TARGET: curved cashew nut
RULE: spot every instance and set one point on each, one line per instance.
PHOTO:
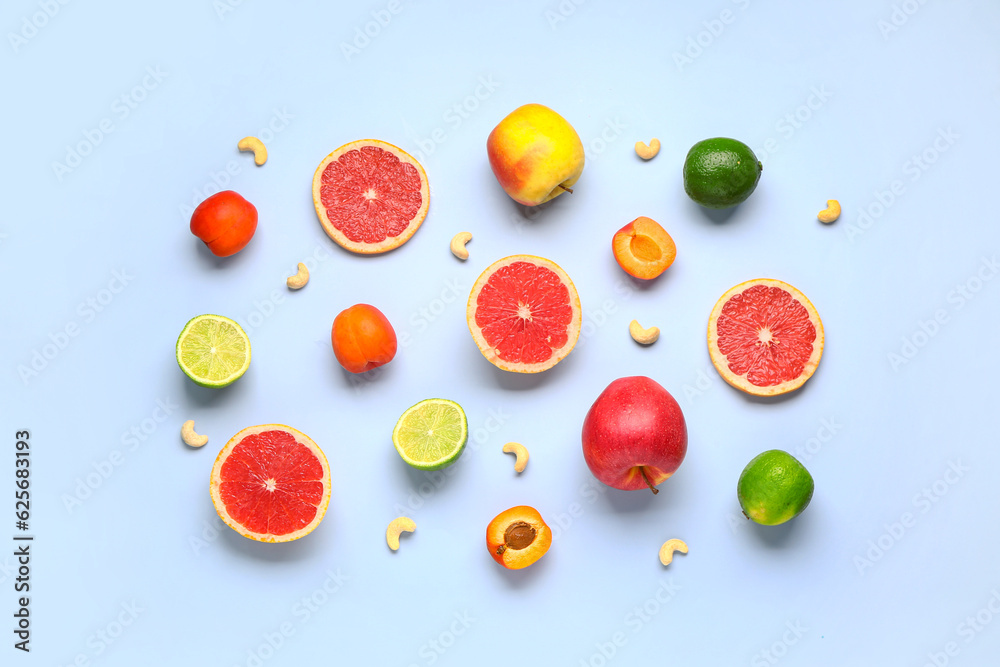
(458, 245)
(397, 526)
(647, 152)
(190, 437)
(520, 451)
(668, 549)
(831, 212)
(257, 146)
(643, 336)
(299, 280)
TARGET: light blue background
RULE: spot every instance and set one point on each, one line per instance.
(146, 536)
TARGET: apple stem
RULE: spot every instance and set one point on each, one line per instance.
(569, 190)
(652, 488)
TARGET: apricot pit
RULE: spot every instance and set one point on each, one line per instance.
(518, 537)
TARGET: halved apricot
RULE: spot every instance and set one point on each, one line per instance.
(643, 248)
(518, 537)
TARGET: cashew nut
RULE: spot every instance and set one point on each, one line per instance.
(299, 280)
(520, 451)
(643, 336)
(257, 146)
(397, 526)
(668, 549)
(190, 437)
(458, 245)
(831, 212)
(647, 152)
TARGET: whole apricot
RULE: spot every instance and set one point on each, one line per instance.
(362, 338)
(225, 222)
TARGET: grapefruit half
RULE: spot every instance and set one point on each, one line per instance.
(271, 483)
(765, 337)
(524, 314)
(370, 196)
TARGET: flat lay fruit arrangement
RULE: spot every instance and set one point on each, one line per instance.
(271, 483)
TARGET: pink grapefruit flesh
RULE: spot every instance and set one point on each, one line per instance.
(765, 337)
(271, 483)
(524, 314)
(370, 196)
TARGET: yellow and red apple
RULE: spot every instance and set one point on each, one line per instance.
(634, 436)
(535, 154)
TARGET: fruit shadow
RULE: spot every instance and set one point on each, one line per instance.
(518, 579)
(525, 216)
(528, 381)
(719, 216)
(218, 262)
(276, 552)
(776, 537)
(358, 380)
(637, 501)
(780, 398)
(215, 396)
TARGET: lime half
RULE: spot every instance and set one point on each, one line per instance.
(432, 434)
(774, 488)
(213, 351)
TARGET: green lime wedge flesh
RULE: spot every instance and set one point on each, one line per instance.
(432, 434)
(774, 488)
(213, 350)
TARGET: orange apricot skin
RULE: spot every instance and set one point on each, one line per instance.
(362, 338)
(225, 222)
(650, 232)
(516, 559)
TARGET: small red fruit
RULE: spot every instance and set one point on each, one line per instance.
(225, 222)
(362, 338)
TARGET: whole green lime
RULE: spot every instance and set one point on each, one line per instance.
(774, 487)
(720, 172)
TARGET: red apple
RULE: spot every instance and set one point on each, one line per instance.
(634, 436)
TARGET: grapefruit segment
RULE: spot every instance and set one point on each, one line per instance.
(271, 483)
(765, 337)
(524, 314)
(370, 196)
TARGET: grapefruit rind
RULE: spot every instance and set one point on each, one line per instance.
(216, 482)
(572, 330)
(392, 242)
(740, 381)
